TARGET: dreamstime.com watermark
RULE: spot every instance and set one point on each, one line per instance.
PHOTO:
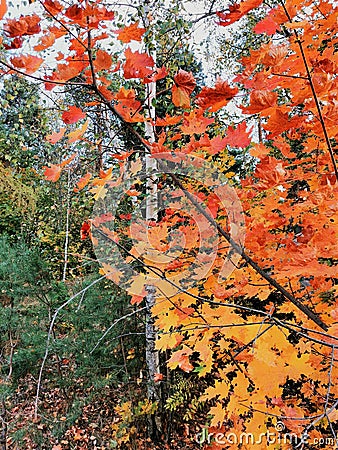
(278, 436)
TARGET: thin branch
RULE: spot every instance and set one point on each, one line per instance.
(49, 337)
(67, 229)
(108, 330)
(43, 80)
(297, 77)
(315, 97)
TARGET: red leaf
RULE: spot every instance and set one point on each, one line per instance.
(15, 43)
(130, 33)
(103, 60)
(85, 230)
(217, 145)
(158, 377)
(15, 27)
(25, 25)
(53, 7)
(267, 25)
(184, 85)
(75, 13)
(74, 114)
(29, 63)
(260, 100)
(137, 65)
(238, 137)
(158, 74)
(216, 97)
(52, 173)
(237, 11)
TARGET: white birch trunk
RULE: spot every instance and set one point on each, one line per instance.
(152, 355)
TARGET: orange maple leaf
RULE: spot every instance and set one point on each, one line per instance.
(52, 173)
(89, 16)
(29, 63)
(168, 120)
(103, 60)
(267, 25)
(260, 100)
(239, 136)
(68, 160)
(55, 137)
(184, 85)
(83, 181)
(46, 41)
(24, 26)
(157, 74)
(130, 33)
(75, 13)
(137, 65)
(65, 72)
(128, 107)
(53, 7)
(216, 97)
(195, 123)
(137, 299)
(181, 359)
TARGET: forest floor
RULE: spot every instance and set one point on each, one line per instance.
(88, 424)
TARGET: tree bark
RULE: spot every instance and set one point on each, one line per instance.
(152, 355)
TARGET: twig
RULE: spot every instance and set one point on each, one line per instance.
(315, 97)
(114, 324)
(49, 336)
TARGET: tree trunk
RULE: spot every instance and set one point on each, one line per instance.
(152, 355)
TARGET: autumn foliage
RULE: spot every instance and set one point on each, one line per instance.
(263, 336)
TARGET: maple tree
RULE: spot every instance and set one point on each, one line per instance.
(232, 306)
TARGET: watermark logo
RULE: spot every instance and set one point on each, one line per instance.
(278, 436)
(269, 437)
(176, 254)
